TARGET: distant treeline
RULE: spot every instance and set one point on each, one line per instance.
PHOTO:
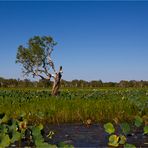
(71, 84)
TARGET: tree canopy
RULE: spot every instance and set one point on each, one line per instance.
(36, 56)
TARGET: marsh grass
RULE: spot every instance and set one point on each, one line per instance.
(72, 106)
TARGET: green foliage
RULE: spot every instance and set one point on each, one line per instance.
(113, 140)
(138, 121)
(16, 136)
(145, 129)
(127, 145)
(6, 130)
(3, 129)
(72, 105)
(4, 140)
(122, 139)
(35, 58)
(125, 128)
(38, 138)
(11, 132)
(38, 106)
(109, 128)
(4, 119)
(65, 145)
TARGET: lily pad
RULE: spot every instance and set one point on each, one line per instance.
(145, 129)
(122, 139)
(109, 128)
(125, 128)
(114, 140)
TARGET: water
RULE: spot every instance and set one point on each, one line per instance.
(80, 135)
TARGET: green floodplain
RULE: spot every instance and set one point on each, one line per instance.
(75, 105)
(27, 113)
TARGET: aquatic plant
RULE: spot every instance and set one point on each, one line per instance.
(117, 139)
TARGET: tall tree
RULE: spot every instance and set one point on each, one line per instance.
(36, 60)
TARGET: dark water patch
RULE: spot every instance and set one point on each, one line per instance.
(80, 135)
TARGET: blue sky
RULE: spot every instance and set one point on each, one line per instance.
(96, 40)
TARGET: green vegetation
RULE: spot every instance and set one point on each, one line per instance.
(16, 132)
(118, 137)
(23, 113)
(76, 105)
(77, 84)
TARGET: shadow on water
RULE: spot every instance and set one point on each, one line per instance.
(80, 135)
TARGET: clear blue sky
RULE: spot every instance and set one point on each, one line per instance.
(96, 40)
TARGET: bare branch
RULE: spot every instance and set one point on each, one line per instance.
(42, 77)
(51, 63)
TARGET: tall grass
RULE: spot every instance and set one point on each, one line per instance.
(99, 106)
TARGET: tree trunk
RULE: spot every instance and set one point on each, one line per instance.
(56, 84)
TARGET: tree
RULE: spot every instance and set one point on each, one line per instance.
(36, 60)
